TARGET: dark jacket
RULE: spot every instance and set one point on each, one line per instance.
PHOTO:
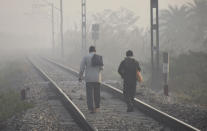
(128, 70)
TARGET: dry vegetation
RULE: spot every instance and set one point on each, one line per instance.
(11, 82)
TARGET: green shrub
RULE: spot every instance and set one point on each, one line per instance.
(12, 77)
(188, 75)
(11, 103)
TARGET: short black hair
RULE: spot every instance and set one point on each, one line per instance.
(92, 49)
(129, 53)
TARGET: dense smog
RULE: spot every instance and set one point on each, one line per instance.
(112, 65)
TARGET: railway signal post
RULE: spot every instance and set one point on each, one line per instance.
(154, 18)
(83, 16)
(53, 32)
(165, 72)
(61, 29)
(95, 33)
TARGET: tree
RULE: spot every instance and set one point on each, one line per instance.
(118, 33)
(118, 29)
(174, 29)
(198, 19)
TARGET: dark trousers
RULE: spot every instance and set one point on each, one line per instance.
(129, 94)
(93, 95)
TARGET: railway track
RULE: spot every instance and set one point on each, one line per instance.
(72, 113)
(112, 115)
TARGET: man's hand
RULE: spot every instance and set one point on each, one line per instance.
(140, 78)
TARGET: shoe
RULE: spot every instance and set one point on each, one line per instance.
(97, 109)
(92, 111)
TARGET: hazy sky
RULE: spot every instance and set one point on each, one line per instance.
(20, 16)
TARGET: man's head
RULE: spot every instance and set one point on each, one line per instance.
(129, 53)
(92, 49)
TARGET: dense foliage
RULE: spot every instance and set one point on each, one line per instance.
(188, 74)
(184, 28)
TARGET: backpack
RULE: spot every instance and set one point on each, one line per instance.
(97, 60)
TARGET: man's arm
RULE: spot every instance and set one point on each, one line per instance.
(121, 69)
(139, 75)
(138, 67)
(101, 67)
(82, 68)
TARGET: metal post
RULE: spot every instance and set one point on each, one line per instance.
(61, 28)
(95, 33)
(23, 94)
(155, 44)
(165, 72)
(157, 37)
(53, 32)
(94, 43)
(83, 16)
(152, 36)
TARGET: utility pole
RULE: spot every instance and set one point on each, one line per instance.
(83, 16)
(155, 42)
(95, 33)
(61, 28)
(166, 72)
(53, 32)
(51, 5)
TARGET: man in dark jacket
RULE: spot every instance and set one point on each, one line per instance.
(128, 70)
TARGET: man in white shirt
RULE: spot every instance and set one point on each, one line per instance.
(93, 80)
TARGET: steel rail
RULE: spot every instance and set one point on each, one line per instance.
(158, 115)
(75, 112)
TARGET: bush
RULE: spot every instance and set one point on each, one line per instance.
(12, 76)
(188, 74)
(10, 104)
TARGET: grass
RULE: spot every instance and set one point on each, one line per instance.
(11, 104)
(12, 78)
